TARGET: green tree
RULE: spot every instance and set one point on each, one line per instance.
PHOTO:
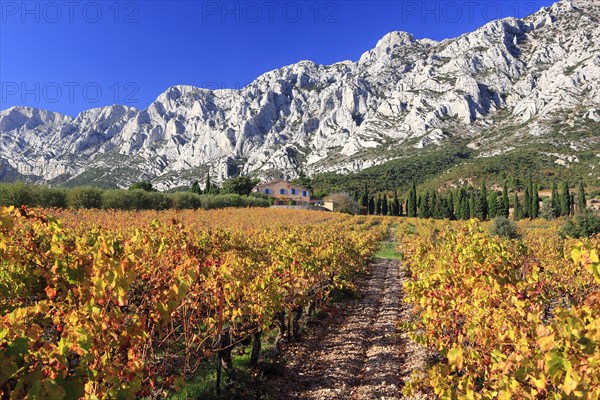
(378, 205)
(505, 202)
(372, 206)
(529, 205)
(565, 200)
(493, 204)
(535, 202)
(143, 185)
(518, 210)
(396, 204)
(384, 205)
(208, 187)
(364, 200)
(411, 205)
(526, 204)
(481, 203)
(423, 206)
(195, 188)
(450, 214)
(555, 201)
(472, 212)
(241, 185)
(463, 205)
(581, 201)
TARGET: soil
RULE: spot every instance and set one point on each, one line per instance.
(357, 352)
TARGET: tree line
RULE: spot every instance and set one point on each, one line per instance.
(469, 202)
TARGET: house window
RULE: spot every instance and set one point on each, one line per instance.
(281, 191)
(267, 191)
(292, 191)
(304, 193)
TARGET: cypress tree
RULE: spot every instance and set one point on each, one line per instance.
(378, 205)
(518, 211)
(208, 189)
(420, 206)
(396, 208)
(384, 205)
(400, 207)
(411, 206)
(529, 205)
(364, 201)
(195, 188)
(472, 205)
(483, 202)
(505, 202)
(436, 211)
(535, 199)
(565, 200)
(492, 204)
(572, 203)
(371, 205)
(463, 208)
(581, 201)
(526, 204)
(555, 201)
(450, 207)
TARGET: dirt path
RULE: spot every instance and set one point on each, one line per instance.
(358, 353)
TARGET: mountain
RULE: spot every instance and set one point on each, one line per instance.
(513, 84)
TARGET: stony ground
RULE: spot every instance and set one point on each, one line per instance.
(357, 353)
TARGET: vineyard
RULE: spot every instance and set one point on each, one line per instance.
(124, 304)
(101, 304)
(503, 318)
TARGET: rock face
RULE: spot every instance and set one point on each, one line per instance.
(403, 94)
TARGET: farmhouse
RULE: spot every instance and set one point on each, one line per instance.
(285, 193)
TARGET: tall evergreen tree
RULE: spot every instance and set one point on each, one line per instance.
(565, 200)
(400, 207)
(481, 203)
(517, 209)
(208, 189)
(195, 188)
(421, 205)
(411, 205)
(581, 201)
(526, 204)
(450, 214)
(472, 205)
(378, 205)
(372, 205)
(555, 201)
(505, 202)
(529, 205)
(492, 204)
(463, 208)
(535, 202)
(364, 201)
(396, 205)
(384, 205)
(436, 209)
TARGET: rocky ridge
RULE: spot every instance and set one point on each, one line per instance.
(493, 89)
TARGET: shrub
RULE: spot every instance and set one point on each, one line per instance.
(585, 224)
(186, 200)
(84, 197)
(50, 198)
(133, 199)
(547, 211)
(209, 201)
(505, 228)
(15, 194)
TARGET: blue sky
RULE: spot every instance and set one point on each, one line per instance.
(70, 56)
